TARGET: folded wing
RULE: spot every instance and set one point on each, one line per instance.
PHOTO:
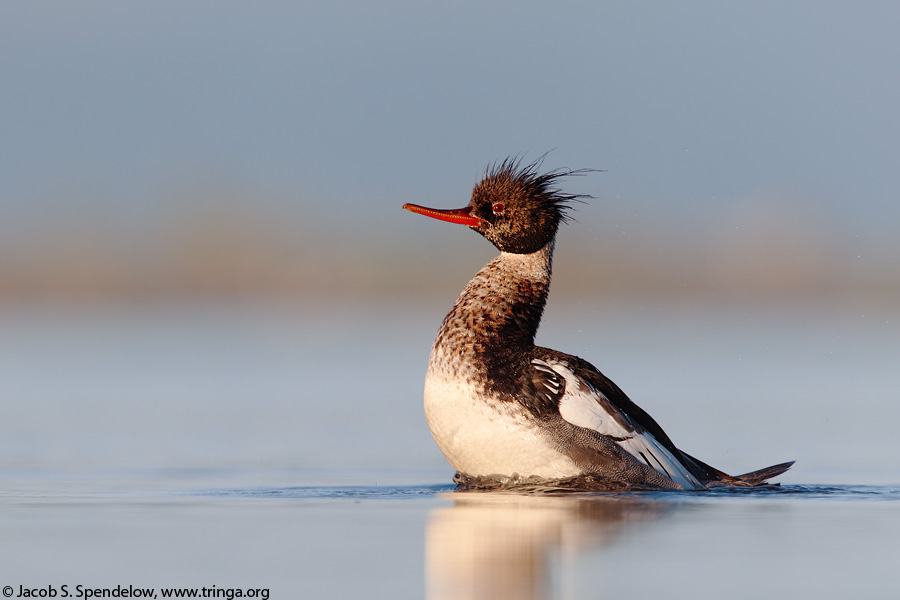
(583, 405)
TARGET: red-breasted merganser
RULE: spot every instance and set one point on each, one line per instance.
(506, 412)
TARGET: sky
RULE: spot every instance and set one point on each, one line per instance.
(706, 118)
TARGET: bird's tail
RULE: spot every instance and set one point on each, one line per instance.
(713, 477)
(761, 476)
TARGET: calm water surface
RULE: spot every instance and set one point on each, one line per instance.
(283, 450)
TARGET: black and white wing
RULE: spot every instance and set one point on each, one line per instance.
(583, 404)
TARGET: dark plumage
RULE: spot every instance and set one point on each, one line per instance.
(522, 207)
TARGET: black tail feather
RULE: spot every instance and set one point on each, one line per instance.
(712, 477)
(761, 476)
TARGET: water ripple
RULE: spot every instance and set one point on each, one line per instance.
(336, 492)
(368, 492)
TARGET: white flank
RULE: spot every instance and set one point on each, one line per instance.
(481, 439)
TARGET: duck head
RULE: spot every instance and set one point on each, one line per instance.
(515, 207)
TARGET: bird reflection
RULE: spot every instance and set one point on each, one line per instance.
(503, 545)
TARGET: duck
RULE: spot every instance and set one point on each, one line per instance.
(508, 413)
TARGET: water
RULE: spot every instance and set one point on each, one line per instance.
(281, 450)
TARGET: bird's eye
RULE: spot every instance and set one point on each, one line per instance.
(498, 208)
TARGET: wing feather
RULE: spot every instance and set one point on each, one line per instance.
(583, 405)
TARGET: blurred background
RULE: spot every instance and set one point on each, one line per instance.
(204, 263)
